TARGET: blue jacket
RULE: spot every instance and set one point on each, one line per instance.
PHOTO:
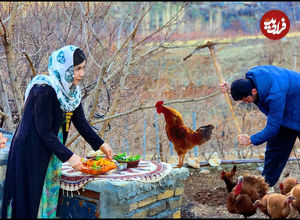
(279, 99)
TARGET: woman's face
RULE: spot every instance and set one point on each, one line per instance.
(78, 73)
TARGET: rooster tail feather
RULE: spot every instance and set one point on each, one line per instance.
(207, 127)
(206, 131)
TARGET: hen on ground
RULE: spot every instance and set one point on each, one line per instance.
(295, 192)
(227, 177)
(278, 205)
(262, 204)
(286, 186)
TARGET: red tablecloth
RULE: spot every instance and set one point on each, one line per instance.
(147, 171)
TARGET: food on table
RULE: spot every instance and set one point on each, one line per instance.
(124, 157)
(93, 154)
(97, 166)
(132, 161)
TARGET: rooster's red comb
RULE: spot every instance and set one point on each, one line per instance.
(159, 107)
(281, 186)
(159, 103)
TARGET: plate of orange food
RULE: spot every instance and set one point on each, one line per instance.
(97, 165)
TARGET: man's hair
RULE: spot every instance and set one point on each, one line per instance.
(241, 88)
(78, 57)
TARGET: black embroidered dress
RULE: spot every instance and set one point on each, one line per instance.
(33, 143)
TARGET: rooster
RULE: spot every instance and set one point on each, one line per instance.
(254, 186)
(227, 177)
(182, 137)
(247, 190)
(238, 202)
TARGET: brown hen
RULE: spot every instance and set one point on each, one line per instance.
(295, 192)
(182, 137)
(278, 205)
(262, 204)
(227, 177)
(286, 186)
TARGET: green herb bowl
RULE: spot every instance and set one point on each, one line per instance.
(131, 161)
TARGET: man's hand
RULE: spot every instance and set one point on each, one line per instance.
(244, 139)
(75, 162)
(224, 87)
(105, 148)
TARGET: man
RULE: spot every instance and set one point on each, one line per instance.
(276, 92)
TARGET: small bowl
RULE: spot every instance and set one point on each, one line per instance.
(122, 166)
(130, 164)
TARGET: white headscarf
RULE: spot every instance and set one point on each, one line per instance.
(60, 78)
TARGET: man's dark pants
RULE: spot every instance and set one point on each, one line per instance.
(277, 154)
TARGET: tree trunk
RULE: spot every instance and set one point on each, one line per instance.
(210, 21)
(218, 20)
(6, 39)
(6, 108)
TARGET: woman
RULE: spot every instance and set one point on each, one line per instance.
(37, 150)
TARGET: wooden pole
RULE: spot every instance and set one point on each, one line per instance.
(144, 142)
(194, 127)
(221, 79)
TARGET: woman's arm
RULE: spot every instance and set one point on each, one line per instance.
(87, 132)
(84, 128)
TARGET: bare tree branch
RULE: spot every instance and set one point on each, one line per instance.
(30, 63)
(6, 107)
(76, 135)
(130, 35)
(121, 85)
(161, 28)
(153, 106)
(161, 45)
(3, 114)
(93, 99)
(6, 39)
(3, 30)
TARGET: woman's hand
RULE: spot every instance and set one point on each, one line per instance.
(105, 148)
(75, 162)
(2, 141)
(224, 87)
(244, 139)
